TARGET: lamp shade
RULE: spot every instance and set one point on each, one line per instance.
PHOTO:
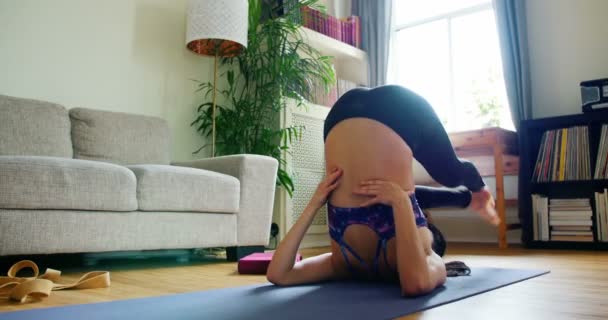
(217, 27)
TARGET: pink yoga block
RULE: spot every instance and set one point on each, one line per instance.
(257, 263)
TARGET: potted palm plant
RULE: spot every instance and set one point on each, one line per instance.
(277, 66)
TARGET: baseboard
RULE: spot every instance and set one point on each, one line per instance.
(466, 226)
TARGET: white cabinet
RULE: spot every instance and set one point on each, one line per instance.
(307, 163)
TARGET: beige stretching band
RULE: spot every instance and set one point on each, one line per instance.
(20, 288)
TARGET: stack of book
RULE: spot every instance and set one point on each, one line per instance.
(601, 171)
(321, 97)
(570, 220)
(540, 217)
(344, 86)
(562, 219)
(324, 98)
(347, 30)
(601, 215)
(563, 155)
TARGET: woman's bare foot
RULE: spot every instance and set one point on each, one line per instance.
(482, 202)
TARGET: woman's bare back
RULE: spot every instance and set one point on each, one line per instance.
(366, 149)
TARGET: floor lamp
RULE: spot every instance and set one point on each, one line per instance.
(217, 28)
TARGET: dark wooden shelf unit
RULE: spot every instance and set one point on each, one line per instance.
(530, 134)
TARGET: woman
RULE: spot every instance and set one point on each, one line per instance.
(377, 228)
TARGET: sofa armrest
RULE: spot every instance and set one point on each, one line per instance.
(257, 175)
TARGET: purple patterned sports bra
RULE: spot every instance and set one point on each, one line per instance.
(377, 217)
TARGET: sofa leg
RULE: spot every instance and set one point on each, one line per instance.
(236, 253)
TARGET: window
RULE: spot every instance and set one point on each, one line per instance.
(448, 52)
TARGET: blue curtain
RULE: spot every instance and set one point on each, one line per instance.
(375, 36)
(512, 32)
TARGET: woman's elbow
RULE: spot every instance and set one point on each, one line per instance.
(276, 279)
(416, 288)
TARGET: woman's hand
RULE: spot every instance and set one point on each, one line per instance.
(381, 191)
(331, 182)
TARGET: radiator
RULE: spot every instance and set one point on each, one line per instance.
(306, 160)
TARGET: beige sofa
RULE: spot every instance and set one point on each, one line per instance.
(98, 181)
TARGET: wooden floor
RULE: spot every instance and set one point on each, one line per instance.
(576, 288)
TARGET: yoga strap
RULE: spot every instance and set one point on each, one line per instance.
(20, 288)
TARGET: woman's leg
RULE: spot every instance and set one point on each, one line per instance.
(433, 149)
(431, 197)
(420, 127)
(413, 118)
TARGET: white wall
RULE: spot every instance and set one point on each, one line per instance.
(116, 55)
(568, 43)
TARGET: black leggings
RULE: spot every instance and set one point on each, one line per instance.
(413, 118)
(429, 197)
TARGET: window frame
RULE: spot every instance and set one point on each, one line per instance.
(448, 17)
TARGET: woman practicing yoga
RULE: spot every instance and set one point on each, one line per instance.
(377, 228)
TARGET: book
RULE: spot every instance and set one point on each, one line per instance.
(573, 238)
(604, 215)
(569, 218)
(597, 216)
(574, 212)
(599, 159)
(571, 233)
(571, 228)
(603, 154)
(540, 214)
(539, 158)
(570, 202)
(569, 207)
(535, 216)
(600, 215)
(346, 30)
(546, 164)
(570, 223)
(563, 155)
(544, 218)
(555, 155)
(585, 151)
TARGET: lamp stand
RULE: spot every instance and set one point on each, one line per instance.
(213, 115)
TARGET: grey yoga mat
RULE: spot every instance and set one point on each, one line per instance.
(332, 300)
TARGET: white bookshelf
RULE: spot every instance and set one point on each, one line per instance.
(306, 158)
(351, 63)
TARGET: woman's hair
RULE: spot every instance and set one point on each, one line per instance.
(439, 243)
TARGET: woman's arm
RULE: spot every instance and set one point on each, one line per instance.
(283, 270)
(420, 269)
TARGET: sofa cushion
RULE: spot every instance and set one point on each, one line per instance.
(34, 128)
(29, 182)
(172, 188)
(119, 138)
